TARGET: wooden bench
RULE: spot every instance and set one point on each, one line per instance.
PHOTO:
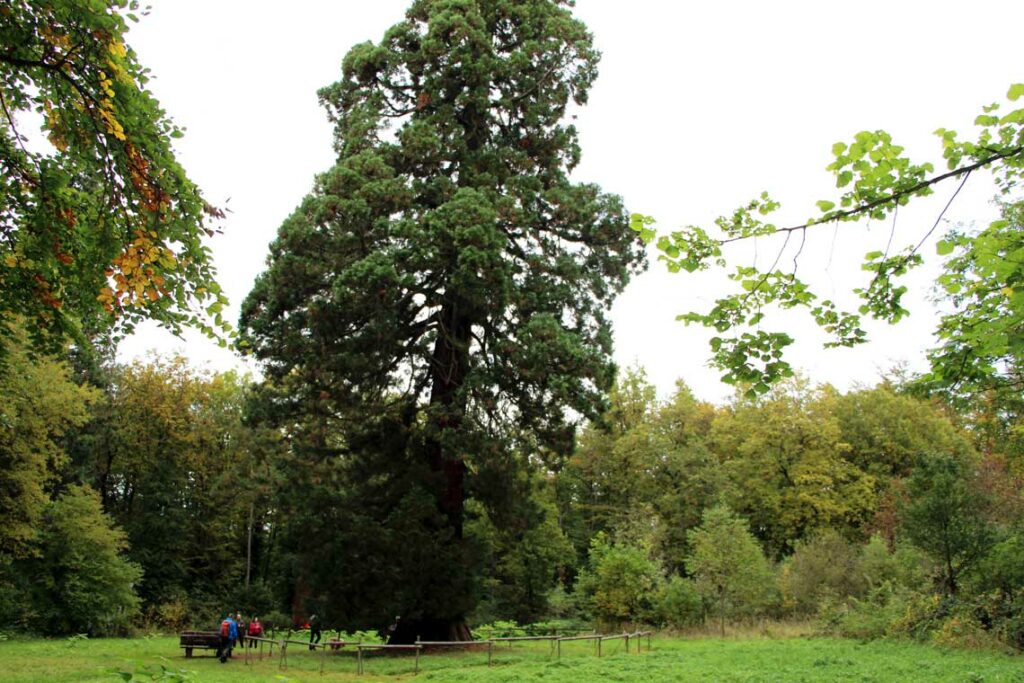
(202, 640)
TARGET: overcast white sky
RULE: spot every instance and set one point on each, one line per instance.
(699, 107)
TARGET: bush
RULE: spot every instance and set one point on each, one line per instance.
(906, 567)
(881, 613)
(172, 615)
(621, 584)
(964, 630)
(680, 605)
(498, 629)
(826, 565)
(563, 605)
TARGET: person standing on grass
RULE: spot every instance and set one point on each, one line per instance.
(255, 631)
(314, 631)
(241, 629)
(228, 635)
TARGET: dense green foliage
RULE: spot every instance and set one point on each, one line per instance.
(728, 567)
(81, 581)
(39, 403)
(99, 224)
(621, 584)
(670, 512)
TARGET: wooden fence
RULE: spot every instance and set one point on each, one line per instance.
(264, 647)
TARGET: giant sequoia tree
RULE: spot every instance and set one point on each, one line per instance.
(437, 302)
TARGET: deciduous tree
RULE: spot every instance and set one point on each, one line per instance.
(39, 403)
(730, 570)
(948, 515)
(82, 581)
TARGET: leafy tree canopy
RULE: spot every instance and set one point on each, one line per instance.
(82, 581)
(99, 226)
(948, 514)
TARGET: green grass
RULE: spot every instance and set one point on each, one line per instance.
(749, 660)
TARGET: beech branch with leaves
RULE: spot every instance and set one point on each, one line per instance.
(979, 345)
(99, 225)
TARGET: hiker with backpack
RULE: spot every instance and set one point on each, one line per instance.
(228, 635)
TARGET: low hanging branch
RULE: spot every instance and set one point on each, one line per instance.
(103, 228)
(880, 179)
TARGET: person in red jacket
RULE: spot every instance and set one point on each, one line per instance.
(255, 631)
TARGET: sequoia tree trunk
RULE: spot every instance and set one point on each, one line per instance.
(444, 630)
(450, 362)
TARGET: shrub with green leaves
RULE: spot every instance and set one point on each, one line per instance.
(680, 604)
(621, 584)
(826, 565)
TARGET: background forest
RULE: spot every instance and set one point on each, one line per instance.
(161, 500)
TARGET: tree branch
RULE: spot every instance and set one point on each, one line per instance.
(895, 196)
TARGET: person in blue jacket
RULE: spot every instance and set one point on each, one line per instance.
(228, 635)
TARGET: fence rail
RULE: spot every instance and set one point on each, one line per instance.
(417, 647)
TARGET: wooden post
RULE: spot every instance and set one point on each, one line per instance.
(648, 641)
(599, 646)
(627, 642)
(359, 659)
(559, 649)
(490, 651)
(418, 648)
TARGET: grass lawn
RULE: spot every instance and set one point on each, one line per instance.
(747, 660)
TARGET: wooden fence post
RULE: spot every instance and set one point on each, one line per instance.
(490, 651)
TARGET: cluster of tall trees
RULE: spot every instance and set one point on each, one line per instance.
(131, 486)
(156, 494)
(808, 493)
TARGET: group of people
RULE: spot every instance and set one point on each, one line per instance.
(234, 631)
